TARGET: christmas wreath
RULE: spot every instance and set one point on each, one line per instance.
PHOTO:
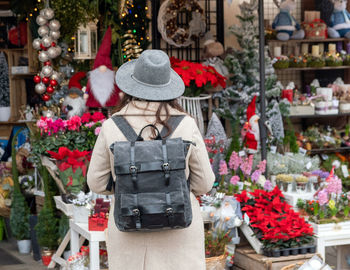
(168, 26)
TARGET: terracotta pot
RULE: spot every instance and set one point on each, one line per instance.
(46, 256)
(216, 263)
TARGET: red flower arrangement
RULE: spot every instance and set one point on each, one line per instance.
(197, 77)
(273, 220)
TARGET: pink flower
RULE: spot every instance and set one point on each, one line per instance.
(223, 168)
(262, 166)
(74, 123)
(268, 185)
(334, 185)
(348, 195)
(97, 116)
(97, 131)
(86, 117)
(246, 165)
(235, 161)
(255, 176)
(89, 125)
(234, 180)
(322, 197)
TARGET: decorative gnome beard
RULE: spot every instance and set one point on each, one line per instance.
(102, 84)
(78, 105)
(254, 127)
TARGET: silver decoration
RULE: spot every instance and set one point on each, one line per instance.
(40, 20)
(56, 76)
(52, 52)
(55, 34)
(58, 50)
(40, 88)
(46, 41)
(36, 43)
(54, 25)
(47, 13)
(43, 31)
(43, 56)
(47, 71)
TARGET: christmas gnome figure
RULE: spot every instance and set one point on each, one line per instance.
(74, 102)
(251, 132)
(102, 90)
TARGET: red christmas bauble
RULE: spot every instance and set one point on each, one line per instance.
(37, 79)
(45, 97)
(47, 63)
(50, 89)
(46, 80)
(53, 44)
(53, 82)
(43, 47)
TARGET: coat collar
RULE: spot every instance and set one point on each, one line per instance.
(137, 107)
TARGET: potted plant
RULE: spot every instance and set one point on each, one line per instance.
(215, 243)
(5, 109)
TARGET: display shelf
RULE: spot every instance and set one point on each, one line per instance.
(319, 115)
(328, 150)
(308, 40)
(311, 68)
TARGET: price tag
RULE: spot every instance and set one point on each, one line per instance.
(302, 151)
(273, 149)
(241, 153)
(324, 156)
(345, 171)
(240, 185)
(246, 219)
(308, 165)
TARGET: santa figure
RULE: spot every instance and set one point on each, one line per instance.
(74, 102)
(251, 131)
(101, 89)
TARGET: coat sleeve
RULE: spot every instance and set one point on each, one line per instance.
(201, 174)
(100, 166)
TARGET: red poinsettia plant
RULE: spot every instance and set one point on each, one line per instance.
(274, 221)
(197, 77)
(72, 167)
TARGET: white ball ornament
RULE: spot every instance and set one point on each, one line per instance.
(36, 43)
(40, 88)
(46, 41)
(52, 52)
(43, 31)
(56, 76)
(40, 20)
(55, 34)
(47, 71)
(54, 25)
(43, 56)
(58, 50)
(48, 13)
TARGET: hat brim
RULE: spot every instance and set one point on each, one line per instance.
(125, 81)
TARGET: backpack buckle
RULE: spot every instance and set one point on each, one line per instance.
(166, 167)
(169, 211)
(136, 212)
(133, 169)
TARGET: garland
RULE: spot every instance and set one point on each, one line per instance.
(169, 27)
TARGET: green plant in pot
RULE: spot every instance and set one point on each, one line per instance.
(5, 109)
(19, 217)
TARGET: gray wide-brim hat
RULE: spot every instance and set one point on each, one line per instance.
(150, 77)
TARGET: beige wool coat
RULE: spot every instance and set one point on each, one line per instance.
(181, 249)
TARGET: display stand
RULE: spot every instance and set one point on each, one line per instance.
(94, 237)
(292, 197)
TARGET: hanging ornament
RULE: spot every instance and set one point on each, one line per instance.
(47, 63)
(50, 89)
(55, 34)
(40, 20)
(43, 56)
(43, 31)
(47, 71)
(55, 76)
(52, 52)
(37, 79)
(46, 41)
(46, 80)
(47, 13)
(40, 88)
(53, 82)
(45, 97)
(54, 25)
(36, 43)
(58, 50)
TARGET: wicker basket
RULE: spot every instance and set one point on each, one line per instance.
(216, 263)
(293, 266)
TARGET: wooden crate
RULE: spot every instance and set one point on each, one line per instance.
(246, 258)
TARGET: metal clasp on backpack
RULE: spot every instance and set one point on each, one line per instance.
(166, 169)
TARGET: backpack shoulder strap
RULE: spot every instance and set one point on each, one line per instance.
(125, 128)
(173, 122)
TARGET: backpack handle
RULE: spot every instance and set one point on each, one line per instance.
(158, 137)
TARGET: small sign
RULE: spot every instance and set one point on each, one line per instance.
(241, 153)
(302, 151)
(324, 156)
(273, 149)
(246, 219)
(240, 185)
(345, 171)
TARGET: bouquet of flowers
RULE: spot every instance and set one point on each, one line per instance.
(197, 77)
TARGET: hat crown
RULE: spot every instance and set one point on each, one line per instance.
(153, 68)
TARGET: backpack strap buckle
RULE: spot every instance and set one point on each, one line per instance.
(136, 213)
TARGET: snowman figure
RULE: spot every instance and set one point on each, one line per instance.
(285, 24)
(339, 25)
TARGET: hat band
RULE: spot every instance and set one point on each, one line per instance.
(148, 84)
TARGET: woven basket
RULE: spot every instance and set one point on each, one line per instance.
(293, 266)
(216, 263)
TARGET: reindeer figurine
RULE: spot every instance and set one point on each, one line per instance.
(285, 24)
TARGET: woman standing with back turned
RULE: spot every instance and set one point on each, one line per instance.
(150, 89)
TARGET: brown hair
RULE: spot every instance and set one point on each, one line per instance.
(163, 106)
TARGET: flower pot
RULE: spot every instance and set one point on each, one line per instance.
(294, 251)
(311, 249)
(301, 186)
(303, 250)
(46, 256)
(5, 113)
(24, 246)
(276, 253)
(285, 186)
(215, 263)
(285, 252)
(80, 214)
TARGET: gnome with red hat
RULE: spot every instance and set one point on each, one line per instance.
(74, 102)
(251, 131)
(102, 90)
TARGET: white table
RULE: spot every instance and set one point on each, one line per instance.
(94, 237)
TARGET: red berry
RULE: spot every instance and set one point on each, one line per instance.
(45, 97)
(50, 89)
(53, 82)
(53, 44)
(37, 79)
(43, 47)
(46, 80)
(47, 63)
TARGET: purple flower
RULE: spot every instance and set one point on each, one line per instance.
(268, 185)
(223, 168)
(322, 197)
(255, 176)
(234, 180)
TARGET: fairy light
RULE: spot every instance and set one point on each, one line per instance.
(30, 14)
(136, 15)
(35, 9)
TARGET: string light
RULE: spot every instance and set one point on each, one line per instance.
(69, 49)
(146, 8)
(30, 15)
(35, 9)
(136, 15)
(72, 38)
(134, 31)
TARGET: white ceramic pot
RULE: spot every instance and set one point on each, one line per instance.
(5, 113)
(80, 214)
(24, 246)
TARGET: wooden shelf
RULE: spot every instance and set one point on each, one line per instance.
(328, 150)
(311, 68)
(320, 115)
(23, 75)
(308, 40)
